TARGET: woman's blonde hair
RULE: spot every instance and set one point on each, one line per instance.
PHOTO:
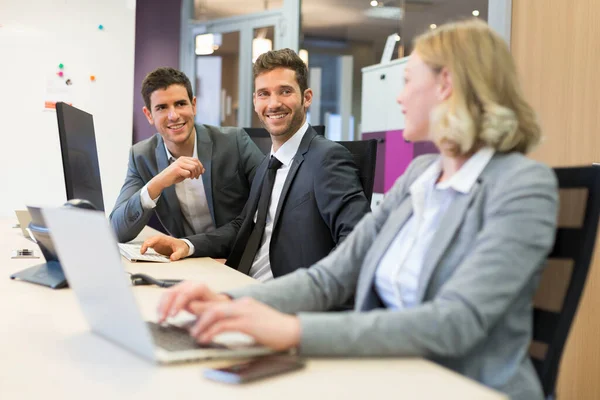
(486, 107)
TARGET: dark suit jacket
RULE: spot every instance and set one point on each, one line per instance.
(321, 202)
(230, 159)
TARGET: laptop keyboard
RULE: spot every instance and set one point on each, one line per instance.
(132, 252)
(174, 338)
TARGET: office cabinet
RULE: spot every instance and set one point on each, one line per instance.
(382, 119)
(381, 86)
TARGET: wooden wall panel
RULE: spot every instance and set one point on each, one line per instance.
(556, 45)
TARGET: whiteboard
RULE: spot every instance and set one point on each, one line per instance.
(35, 37)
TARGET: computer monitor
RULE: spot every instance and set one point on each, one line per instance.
(50, 273)
(79, 154)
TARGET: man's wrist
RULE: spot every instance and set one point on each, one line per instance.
(191, 248)
(155, 187)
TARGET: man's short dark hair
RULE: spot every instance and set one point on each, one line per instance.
(284, 58)
(162, 78)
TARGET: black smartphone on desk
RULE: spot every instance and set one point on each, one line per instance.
(255, 369)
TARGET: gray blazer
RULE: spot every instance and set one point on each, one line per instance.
(475, 291)
(230, 159)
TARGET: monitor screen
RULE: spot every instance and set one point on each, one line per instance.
(79, 155)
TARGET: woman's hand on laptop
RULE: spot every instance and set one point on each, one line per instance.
(187, 296)
(266, 325)
(175, 249)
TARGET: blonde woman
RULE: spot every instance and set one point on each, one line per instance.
(448, 265)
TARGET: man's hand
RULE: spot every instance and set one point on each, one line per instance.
(186, 296)
(183, 168)
(169, 246)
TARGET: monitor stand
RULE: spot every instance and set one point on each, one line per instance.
(49, 274)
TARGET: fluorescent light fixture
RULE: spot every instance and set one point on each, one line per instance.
(207, 43)
(475, 13)
(260, 45)
(394, 13)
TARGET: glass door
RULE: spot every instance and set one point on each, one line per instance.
(221, 65)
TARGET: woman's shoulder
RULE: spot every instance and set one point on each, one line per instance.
(515, 171)
(510, 165)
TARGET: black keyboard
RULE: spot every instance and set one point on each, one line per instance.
(174, 338)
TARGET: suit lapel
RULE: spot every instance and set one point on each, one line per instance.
(205, 148)
(442, 239)
(244, 233)
(296, 162)
(259, 179)
(168, 198)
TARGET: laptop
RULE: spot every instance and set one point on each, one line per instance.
(102, 288)
(24, 219)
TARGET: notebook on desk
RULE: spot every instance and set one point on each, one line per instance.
(106, 299)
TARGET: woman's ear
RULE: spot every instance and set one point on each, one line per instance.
(445, 84)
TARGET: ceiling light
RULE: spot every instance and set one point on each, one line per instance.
(207, 43)
(260, 45)
(374, 3)
(393, 13)
(303, 54)
(432, 26)
(475, 13)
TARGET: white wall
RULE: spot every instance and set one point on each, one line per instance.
(35, 37)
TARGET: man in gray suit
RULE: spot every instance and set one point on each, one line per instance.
(194, 178)
(306, 198)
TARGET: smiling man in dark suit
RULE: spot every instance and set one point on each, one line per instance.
(196, 178)
(306, 198)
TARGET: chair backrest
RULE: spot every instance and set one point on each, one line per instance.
(364, 153)
(564, 277)
(261, 137)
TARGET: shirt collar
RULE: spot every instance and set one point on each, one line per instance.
(288, 150)
(464, 179)
(194, 154)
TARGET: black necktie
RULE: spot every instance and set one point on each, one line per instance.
(255, 238)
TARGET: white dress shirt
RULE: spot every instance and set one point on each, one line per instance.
(192, 200)
(398, 271)
(261, 267)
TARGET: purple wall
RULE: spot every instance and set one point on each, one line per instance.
(394, 154)
(157, 31)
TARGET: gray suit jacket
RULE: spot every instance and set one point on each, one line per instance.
(476, 286)
(230, 159)
(321, 201)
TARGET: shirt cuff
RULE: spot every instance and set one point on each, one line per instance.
(192, 249)
(147, 202)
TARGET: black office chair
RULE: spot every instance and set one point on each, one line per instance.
(365, 156)
(261, 137)
(574, 244)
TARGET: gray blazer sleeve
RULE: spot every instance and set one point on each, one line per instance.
(128, 217)
(508, 252)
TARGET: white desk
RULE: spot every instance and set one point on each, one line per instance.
(47, 351)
